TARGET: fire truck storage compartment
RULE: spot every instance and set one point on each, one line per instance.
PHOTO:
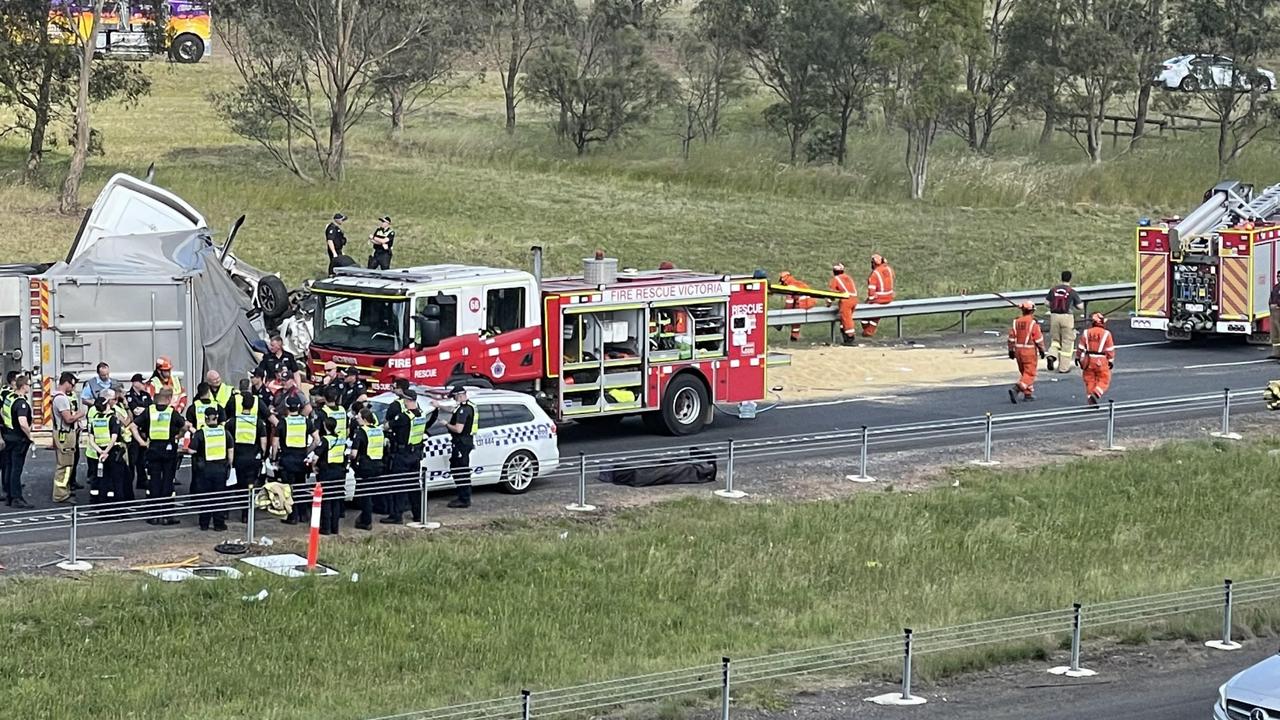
(687, 332)
(602, 367)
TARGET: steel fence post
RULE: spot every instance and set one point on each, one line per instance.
(1111, 427)
(426, 523)
(581, 504)
(905, 697)
(862, 476)
(1225, 643)
(248, 518)
(526, 707)
(724, 690)
(899, 319)
(1074, 670)
(728, 491)
(1225, 433)
(986, 460)
(964, 322)
(75, 529)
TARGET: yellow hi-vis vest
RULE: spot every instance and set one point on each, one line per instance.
(339, 416)
(246, 427)
(376, 442)
(100, 426)
(7, 399)
(215, 444)
(295, 432)
(417, 429)
(174, 384)
(337, 450)
(223, 395)
(161, 423)
(201, 406)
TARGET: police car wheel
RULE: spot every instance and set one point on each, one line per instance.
(518, 472)
(684, 405)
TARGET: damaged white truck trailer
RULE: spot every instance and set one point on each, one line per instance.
(143, 279)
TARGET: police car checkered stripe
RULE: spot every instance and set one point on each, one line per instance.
(503, 436)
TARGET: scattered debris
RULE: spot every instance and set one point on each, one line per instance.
(355, 577)
(193, 560)
(231, 548)
(288, 565)
(265, 541)
(262, 595)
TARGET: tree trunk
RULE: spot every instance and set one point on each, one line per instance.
(395, 94)
(1140, 117)
(335, 163)
(69, 199)
(919, 139)
(795, 135)
(509, 96)
(1093, 139)
(842, 143)
(40, 118)
(513, 63)
(1046, 130)
(1224, 144)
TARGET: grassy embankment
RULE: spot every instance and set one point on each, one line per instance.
(478, 614)
(461, 190)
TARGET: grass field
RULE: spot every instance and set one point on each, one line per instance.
(460, 190)
(480, 614)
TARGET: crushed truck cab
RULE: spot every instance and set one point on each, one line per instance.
(665, 344)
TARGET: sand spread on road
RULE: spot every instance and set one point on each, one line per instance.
(824, 372)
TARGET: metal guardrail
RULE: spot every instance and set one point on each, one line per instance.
(727, 454)
(721, 678)
(962, 304)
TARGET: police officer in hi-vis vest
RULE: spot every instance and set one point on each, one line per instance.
(211, 456)
(161, 428)
(293, 439)
(249, 428)
(368, 451)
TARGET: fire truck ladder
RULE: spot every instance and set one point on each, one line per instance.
(1227, 203)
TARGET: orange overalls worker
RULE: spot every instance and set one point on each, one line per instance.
(163, 378)
(842, 283)
(879, 291)
(1026, 345)
(1096, 355)
(798, 302)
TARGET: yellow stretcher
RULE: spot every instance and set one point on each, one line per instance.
(808, 292)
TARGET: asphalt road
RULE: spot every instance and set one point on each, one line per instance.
(1147, 368)
(1145, 683)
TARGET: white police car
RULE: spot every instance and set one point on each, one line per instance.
(515, 439)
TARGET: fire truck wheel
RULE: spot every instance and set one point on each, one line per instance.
(186, 48)
(518, 472)
(684, 406)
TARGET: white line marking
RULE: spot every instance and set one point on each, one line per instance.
(1228, 364)
(844, 401)
(1145, 344)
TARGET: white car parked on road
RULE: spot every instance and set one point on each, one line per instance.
(1194, 72)
(516, 440)
(1253, 694)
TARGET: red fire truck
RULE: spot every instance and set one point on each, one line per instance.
(666, 344)
(1212, 271)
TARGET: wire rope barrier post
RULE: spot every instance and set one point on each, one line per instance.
(249, 524)
(724, 689)
(1074, 670)
(905, 697)
(1111, 428)
(1225, 433)
(424, 523)
(580, 505)
(1226, 642)
(986, 460)
(526, 707)
(862, 476)
(728, 491)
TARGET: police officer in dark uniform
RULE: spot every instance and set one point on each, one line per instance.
(352, 387)
(17, 440)
(462, 428)
(383, 239)
(331, 470)
(368, 451)
(294, 438)
(407, 433)
(211, 457)
(137, 401)
(249, 429)
(335, 239)
(161, 427)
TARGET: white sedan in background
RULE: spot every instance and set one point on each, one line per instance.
(516, 440)
(1194, 72)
